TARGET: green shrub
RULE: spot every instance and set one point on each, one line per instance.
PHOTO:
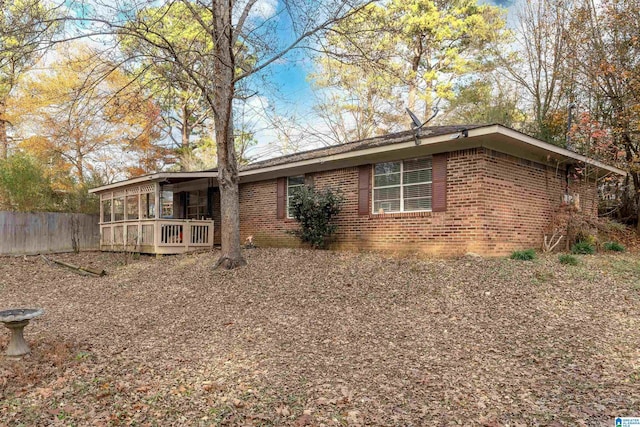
(587, 237)
(24, 185)
(314, 210)
(583, 248)
(568, 259)
(525, 255)
(614, 246)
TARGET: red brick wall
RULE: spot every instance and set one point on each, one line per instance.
(258, 216)
(495, 204)
(520, 199)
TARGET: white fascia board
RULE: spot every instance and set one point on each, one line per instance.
(545, 146)
(402, 145)
(154, 177)
(348, 155)
(427, 140)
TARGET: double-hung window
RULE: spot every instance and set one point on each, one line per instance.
(294, 183)
(402, 186)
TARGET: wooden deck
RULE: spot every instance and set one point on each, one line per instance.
(156, 236)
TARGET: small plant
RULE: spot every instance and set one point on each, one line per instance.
(587, 237)
(314, 211)
(583, 247)
(614, 246)
(526, 255)
(82, 355)
(568, 259)
(543, 276)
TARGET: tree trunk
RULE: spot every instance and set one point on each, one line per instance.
(186, 129)
(630, 154)
(4, 139)
(636, 198)
(224, 68)
(79, 164)
(413, 81)
(413, 85)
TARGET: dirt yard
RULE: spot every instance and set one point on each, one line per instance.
(320, 338)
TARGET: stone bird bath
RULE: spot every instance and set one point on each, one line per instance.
(15, 320)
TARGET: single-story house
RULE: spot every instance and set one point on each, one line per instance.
(442, 190)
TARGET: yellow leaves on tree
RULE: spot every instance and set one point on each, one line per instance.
(86, 114)
(414, 50)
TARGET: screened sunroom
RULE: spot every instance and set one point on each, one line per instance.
(167, 213)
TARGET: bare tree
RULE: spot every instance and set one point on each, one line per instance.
(246, 36)
(607, 44)
(542, 60)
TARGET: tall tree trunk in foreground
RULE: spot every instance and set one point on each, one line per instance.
(223, 92)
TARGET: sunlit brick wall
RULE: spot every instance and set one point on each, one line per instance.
(495, 204)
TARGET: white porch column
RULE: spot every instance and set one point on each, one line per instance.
(157, 198)
(157, 227)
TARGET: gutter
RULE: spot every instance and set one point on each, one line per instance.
(403, 142)
(549, 147)
(408, 142)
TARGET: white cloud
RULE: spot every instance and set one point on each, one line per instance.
(261, 10)
(264, 9)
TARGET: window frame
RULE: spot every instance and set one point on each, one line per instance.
(288, 195)
(116, 206)
(132, 200)
(401, 185)
(118, 214)
(147, 206)
(104, 212)
(166, 204)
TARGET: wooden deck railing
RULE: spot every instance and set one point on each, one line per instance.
(157, 236)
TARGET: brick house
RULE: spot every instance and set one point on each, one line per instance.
(444, 190)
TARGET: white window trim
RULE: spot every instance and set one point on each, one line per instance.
(289, 196)
(402, 185)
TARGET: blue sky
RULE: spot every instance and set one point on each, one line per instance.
(291, 76)
(295, 95)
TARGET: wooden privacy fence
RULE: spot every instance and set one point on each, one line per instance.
(46, 232)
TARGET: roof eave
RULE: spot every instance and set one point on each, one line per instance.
(449, 141)
(402, 143)
(154, 178)
(549, 147)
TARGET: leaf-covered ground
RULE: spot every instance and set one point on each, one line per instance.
(316, 338)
